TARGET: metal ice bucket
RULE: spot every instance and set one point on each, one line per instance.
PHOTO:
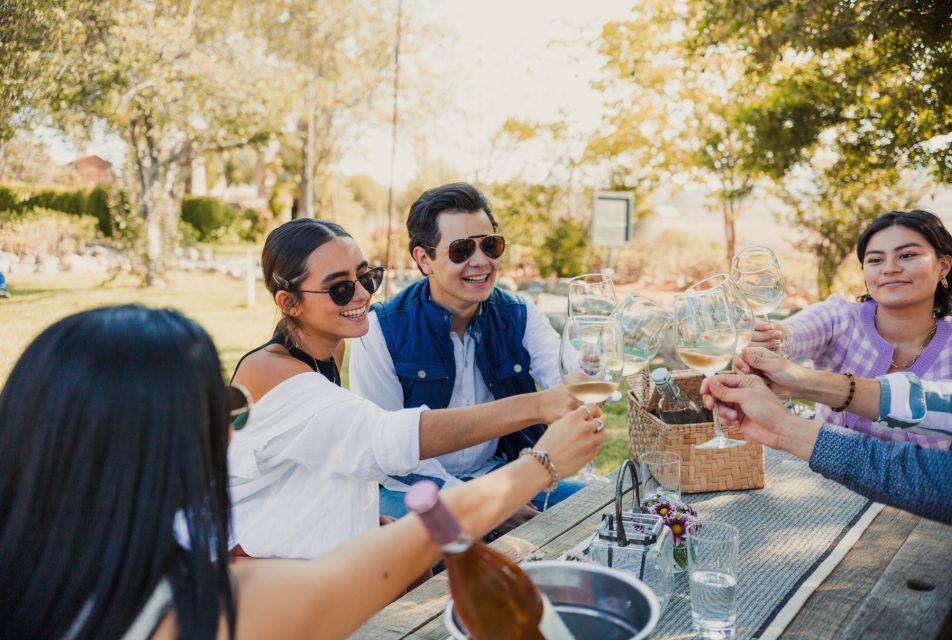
(595, 602)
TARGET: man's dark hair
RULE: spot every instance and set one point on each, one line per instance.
(458, 197)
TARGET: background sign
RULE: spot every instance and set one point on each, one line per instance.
(611, 218)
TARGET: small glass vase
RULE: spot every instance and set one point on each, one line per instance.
(680, 552)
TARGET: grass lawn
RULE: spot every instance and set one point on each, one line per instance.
(216, 301)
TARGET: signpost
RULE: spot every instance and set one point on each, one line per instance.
(611, 220)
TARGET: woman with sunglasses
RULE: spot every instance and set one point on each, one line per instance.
(114, 505)
(305, 473)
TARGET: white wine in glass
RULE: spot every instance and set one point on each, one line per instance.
(591, 361)
(757, 274)
(593, 294)
(644, 325)
(744, 318)
(705, 338)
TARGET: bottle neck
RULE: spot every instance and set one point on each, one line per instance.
(445, 529)
(669, 389)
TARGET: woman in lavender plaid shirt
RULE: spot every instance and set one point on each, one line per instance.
(901, 324)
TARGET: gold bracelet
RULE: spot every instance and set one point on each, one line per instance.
(546, 460)
(849, 398)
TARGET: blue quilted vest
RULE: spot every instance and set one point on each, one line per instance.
(417, 331)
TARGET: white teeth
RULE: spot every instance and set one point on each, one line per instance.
(356, 313)
(482, 278)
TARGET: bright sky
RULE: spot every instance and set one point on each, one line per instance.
(525, 58)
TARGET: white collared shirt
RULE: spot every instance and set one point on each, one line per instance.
(303, 473)
(372, 375)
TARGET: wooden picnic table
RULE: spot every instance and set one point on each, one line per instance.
(866, 596)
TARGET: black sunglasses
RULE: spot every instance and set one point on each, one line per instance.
(342, 292)
(463, 249)
(239, 406)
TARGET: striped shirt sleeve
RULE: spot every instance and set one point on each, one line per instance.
(907, 401)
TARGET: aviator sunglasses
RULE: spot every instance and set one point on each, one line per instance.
(239, 406)
(463, 249)
(341, 293)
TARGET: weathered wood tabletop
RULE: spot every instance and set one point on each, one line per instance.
(868, 595)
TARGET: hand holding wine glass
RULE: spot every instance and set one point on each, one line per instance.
(744, 319)
(705, 338)
(591, 362)
(756, 271)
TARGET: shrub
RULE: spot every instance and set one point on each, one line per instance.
(8, 199)
(188, 235)
(38, 231)
(251, 225)
(97, 205)
(210, 216)
(563, 249)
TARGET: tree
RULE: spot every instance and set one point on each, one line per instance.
(336, 56)
(175, 80)
(876, 75)
(835, 200)
(671, 109)
(29, 29)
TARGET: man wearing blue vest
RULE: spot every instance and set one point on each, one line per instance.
(454, 340)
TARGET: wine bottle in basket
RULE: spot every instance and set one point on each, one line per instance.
(675, 407)
(492, 596)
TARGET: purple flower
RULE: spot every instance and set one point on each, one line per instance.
(678, 523)
(662, 509)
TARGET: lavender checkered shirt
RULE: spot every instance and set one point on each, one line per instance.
(841, 336)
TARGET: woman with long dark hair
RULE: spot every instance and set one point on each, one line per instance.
(114, 507)
(304, 476)
(901, 324)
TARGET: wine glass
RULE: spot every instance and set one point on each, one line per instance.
(744, 318)
(591, 361)
(705, 339)
(757, 274)
(591, 295)
(644, 324)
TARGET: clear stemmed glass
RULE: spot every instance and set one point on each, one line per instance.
(757, 274)
(744, 317)
(644, 325)
(591, 361)
(705, 338)
(591, 295)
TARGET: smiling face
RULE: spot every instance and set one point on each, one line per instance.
(902, 269)
(317, 315)
(459, 288)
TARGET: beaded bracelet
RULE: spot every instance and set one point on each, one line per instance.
(546, 462)
(849, 398)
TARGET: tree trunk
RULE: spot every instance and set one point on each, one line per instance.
(159, 213)
(827, 268)
(727, 206)
(307, 172)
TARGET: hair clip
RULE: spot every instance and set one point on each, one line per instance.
(284, 284)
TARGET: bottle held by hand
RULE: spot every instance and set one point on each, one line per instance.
(675, 407)
(492, 596)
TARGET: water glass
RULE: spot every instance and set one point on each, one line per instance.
(712, 572)
(660, 475)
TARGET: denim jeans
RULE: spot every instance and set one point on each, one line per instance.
(391, 502)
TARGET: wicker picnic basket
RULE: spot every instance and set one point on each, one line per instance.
(701, 470)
